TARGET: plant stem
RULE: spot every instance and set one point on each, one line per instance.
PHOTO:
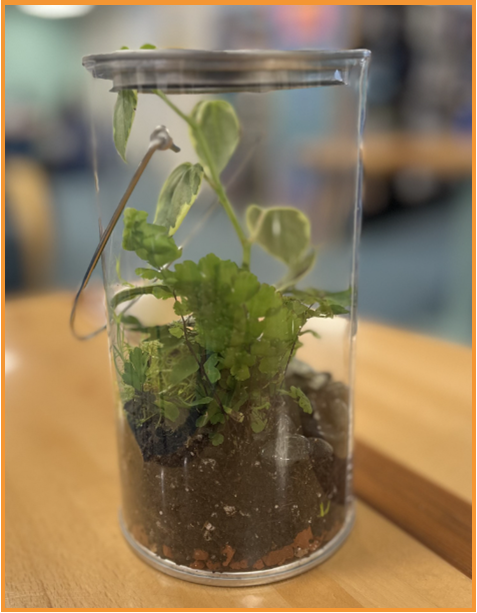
(175, 108)
(214, 179)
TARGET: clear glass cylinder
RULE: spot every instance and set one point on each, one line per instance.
(231, 290)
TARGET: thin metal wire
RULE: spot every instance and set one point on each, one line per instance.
(107, 233)
(160, 140)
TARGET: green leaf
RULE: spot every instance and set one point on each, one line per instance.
(129, 320)
(338, 309)
(161, 292)
(217, 418)
(177, 330)
(302, 400)
(124, 111)
(178, 194)
(245, 286)
(219, 133)
(183, 369)
(213, 408)
(199, 402)
(270, 365)
(264, 300)
(243, 397)
(135, 369)
(340, 298)
(257, 423)
(283, 232)
(297, 271)
(211, 371)
(217, 439)
(202, 421)
(147, 273)
(171, 411)
(147, 46)
(181, 308)
(123, 48)
(329, 303)
(150, 242)
(240, 372)
(312, 332)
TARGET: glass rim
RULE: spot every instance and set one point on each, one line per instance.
(237, 60)
(187, 70)
(245, 56)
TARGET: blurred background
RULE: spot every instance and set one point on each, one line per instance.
(416, 250)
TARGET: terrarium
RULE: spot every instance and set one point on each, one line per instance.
(230, 271)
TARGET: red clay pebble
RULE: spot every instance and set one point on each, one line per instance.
(228, 551)
(303, 538)
(275, 558)
(212, 565)
(167, 551)
(259, 564)
(198, 564)
(200, 554)
(239, 565)
(140, 535)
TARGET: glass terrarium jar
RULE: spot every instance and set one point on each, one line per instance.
(230, 280)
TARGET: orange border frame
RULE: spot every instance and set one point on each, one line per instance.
(473, 307)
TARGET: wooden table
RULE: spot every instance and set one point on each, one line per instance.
(413, 460)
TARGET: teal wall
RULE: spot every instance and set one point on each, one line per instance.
(39, 74)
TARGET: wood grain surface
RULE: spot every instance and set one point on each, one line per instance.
(414, 404)
(438, 519)
(63, 547)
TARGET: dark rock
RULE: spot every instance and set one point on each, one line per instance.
(156, 442)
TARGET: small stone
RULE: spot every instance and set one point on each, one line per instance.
(200, 554)
(279, 556)
(229, 510)
(258, 565)
(228, 552)
(303, 538)
(167, 551)
(243, 564)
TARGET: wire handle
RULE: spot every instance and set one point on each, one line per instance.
(160, 140)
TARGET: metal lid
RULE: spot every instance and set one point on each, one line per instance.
(185, 70)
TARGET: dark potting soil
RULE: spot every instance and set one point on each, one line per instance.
(253, 502)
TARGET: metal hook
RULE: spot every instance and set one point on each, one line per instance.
(160, 140)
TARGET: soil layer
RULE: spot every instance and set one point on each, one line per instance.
(255, 501)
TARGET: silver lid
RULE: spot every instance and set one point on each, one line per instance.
(189, 71)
